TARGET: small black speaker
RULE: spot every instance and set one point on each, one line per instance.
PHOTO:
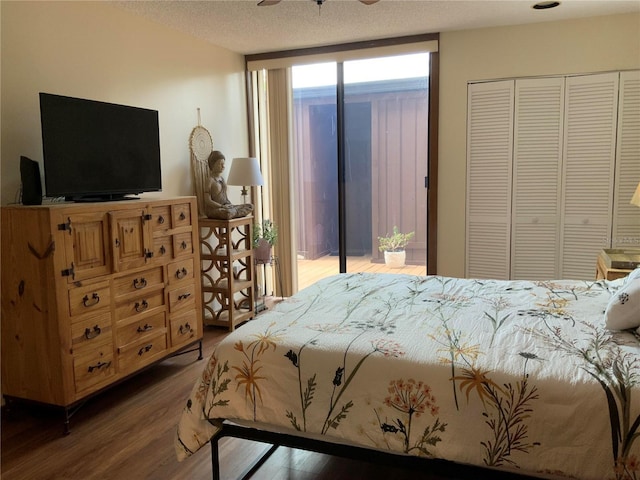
(31, 184)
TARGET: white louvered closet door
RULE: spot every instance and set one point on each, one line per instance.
(537, 164)
(588, 171)
(489, 167)
(626, 217)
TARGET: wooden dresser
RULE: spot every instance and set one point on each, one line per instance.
(93, 292)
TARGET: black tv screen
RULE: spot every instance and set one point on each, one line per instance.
(98, 151)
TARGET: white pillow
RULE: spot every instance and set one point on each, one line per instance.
(623, 310)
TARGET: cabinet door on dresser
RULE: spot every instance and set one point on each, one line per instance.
(85, 244)
(131, 238)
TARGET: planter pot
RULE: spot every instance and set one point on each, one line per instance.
(395, 259)
(262, 253)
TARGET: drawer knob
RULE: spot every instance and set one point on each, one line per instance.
(183, 245)
(141, 306)
(181, 273)
(184, 296)
(139, 283)
(145, 349)
(146, 328)
(98, 366)
(90, 302)
(163, 250)
(160, 219)
(90, 334)
(184, 329)
(182, 216)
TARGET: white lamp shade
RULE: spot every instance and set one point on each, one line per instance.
(245, 172)
(635, 200)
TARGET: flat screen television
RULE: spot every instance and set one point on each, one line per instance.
(98, 151)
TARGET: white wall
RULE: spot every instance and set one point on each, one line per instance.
(93, 50)
(578, 46)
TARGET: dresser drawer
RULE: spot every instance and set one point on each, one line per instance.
(181, 271)
(92, 331)
(140, 305)
(181, 298)
(184, 329)
(162, 249)
(160, 218)
(180, 215)
(139, 354)
(144, 327)
(89, 298)
(95, 366)
(182, 244)
(138, 283)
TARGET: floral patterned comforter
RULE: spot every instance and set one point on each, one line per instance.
(504, 374)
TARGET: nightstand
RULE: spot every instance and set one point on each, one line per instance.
(608, 273)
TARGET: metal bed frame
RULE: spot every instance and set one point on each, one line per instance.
(441, 469)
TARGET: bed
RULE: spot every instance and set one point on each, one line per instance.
(517, 376)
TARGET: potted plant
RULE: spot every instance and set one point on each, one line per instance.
(393, 245)
(265, 236)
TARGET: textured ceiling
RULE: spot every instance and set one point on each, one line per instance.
(244, 27)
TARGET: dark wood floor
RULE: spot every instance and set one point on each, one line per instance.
(127, 432)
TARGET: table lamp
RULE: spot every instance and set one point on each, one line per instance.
(635, 200)
(245, 172)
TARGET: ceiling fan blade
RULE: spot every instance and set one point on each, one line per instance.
(268, 3)
(369, 2)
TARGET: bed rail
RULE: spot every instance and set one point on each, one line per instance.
(436, 467)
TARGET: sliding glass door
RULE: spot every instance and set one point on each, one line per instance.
(386, 157)
(315, 133)
(361, 161)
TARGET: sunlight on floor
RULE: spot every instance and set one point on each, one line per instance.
(309, 271)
